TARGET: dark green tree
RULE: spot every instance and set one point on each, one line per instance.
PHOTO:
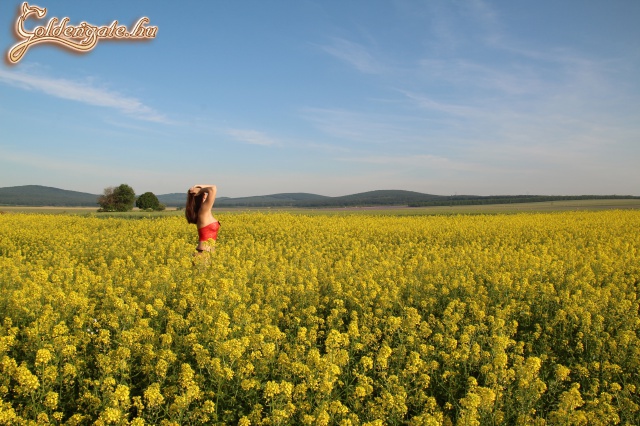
(125, 198)
(118, 199)
(148, 200)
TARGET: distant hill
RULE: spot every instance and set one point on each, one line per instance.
(302, 199)
(371, 198)
(178, 199)
(297, 199)
(384, 197)
(474, 200)
(174, 199)
(36, 195)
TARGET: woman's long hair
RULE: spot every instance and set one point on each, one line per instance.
(192, 207)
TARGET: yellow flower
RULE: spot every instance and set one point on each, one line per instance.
(153, 397)
(43, 357)
(321, 318)
(27, 382)
(51, 400)
(562, 373)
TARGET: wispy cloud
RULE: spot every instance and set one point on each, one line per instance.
(325, 147)
(90, 175)
(403, 160)
(83, 92)
(252, 137)
(429, 103)
(368, 128)
(487, 18)
(427, 161)
(515, 80)
(354, 54)
(44, 162)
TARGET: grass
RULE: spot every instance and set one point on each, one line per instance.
(87, 211)
(547, 206)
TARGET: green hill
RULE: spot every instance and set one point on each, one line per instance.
(178, 199)
(379, 198)
(174, 199)
(37, 195)
(274, 200)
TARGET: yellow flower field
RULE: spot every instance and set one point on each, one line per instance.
(524, 319)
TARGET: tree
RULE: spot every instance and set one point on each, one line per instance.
(106, 200)
(119, 199)
(148, 200)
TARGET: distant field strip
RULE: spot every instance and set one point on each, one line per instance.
(545, 206)
(321, 319)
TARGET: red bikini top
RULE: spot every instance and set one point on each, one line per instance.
(209, 231)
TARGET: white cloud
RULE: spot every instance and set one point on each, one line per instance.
(83, 92)
(87, 175)
(354, 54)
(402, 160)
(368, 128)
(325, 147)
(424, 161)
(428, 103)
(488, 19)
(252, 137)
(81, 167)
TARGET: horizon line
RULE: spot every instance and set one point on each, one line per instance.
(358, 193)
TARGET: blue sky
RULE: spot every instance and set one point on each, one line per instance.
(330, 97)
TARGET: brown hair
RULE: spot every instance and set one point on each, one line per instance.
(192, 207)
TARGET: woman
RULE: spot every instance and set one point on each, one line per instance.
(200, 200)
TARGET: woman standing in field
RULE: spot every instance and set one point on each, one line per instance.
(200, 200)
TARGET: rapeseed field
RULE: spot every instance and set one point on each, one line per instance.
(524, 319)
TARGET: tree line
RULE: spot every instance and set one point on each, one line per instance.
(511, 199)
(122, 199)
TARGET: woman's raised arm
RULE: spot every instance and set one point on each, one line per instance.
(195, 189)
(210, 197)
